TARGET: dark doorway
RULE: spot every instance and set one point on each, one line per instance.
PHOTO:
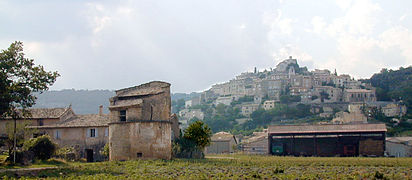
(89, 155)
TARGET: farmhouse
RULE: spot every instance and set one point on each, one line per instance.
(221, 143)
(327, 140)
(140, 122)
(38, 117)
(87, 134)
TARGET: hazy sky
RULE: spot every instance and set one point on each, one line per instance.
(194, 44)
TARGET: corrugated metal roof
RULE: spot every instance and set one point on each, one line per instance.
(401, 140)
(327, 128)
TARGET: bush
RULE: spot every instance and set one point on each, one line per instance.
(66, 153)
(42, 147)
(105, 151)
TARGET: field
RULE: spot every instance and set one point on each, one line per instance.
(236, 167)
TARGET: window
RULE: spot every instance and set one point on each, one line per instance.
(92, 132)
(57, 134)
(40, 122)
(122, 115)
(106, 132)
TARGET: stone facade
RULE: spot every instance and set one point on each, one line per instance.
(141, 125)
(359, 95)
(248, 109)
(141, 139)
(87, 134)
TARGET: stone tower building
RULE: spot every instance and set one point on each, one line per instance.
(140, 124)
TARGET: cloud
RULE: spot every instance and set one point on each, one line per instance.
(111, 44)
(278, 25)
(318, 24)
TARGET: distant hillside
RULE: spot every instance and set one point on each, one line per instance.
(86, 101)
(82, 101)
(393, 85)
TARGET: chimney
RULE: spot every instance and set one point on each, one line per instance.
(101, 110)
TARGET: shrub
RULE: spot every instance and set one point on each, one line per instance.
(105, 151)
(66, 153)
(42, 147)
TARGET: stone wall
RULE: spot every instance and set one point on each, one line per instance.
(77, 138)
(140, 140)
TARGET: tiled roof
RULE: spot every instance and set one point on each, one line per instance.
(222, 136)
(327, 128)
(46, 113)
(151, 88)
(87, 120)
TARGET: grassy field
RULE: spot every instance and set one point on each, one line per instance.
(237, 167)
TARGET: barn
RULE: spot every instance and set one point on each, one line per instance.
(327, 140)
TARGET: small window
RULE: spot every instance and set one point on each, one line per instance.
(57, 134)
(92, 132)
(40, 122)
(106, 132)
(123, 115)
(139, 154)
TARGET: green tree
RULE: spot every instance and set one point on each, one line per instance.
(199, 133)
(21, 133)
(20, 78)
(42, 147)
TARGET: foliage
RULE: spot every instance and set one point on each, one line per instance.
(183, 148)
(285, 99)
(393, 85)
(21, 133)
(105, 151)
(178, 105)
(199, 133)
(234, 167)
(223, 119)
(314, 97)
(279, 112)
(19, 78)
(42, 147)
(66, 153)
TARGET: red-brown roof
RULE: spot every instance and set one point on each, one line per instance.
(326, 128)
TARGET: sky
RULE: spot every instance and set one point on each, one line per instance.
(195, 44)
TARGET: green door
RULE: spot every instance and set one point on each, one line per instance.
(277, 148)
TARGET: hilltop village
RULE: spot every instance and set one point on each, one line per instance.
(335, 98)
